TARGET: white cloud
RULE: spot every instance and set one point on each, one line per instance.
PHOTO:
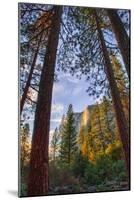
(57, 89)
(73, 80)
(51, 135)
(57, 108)
(77, 91)
(58, 120)
(70, 78)
(51, 131)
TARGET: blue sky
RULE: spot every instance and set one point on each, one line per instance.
(68, 90)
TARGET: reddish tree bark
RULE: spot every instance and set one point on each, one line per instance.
(120, 116)
(121, 36)
(24, 95)
(38, 176)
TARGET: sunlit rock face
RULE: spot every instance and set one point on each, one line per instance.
(84, 124)
(86, 118)
(82, 119)
(77, 117)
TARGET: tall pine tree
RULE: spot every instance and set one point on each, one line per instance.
(120, 116)
(68, 139)
(38, 176)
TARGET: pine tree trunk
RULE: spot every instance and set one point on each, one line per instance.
(121, 37)
(24, 96)
(120, 116)
(38, 176)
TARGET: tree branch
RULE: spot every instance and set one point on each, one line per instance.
(31, 100)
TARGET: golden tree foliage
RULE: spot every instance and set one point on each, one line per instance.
(99, 135)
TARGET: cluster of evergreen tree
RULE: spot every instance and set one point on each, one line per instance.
(100, 133)
(93, 156)
(92, 42)
(65, 139)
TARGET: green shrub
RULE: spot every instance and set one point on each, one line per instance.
(105, 170)
(81, 172)
(104, 167)
(79, 165)
(119, 170)
(115, 150)
(122, 176)
(119, 166)
(91, 176)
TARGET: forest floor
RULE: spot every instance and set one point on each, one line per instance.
(108, 186)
